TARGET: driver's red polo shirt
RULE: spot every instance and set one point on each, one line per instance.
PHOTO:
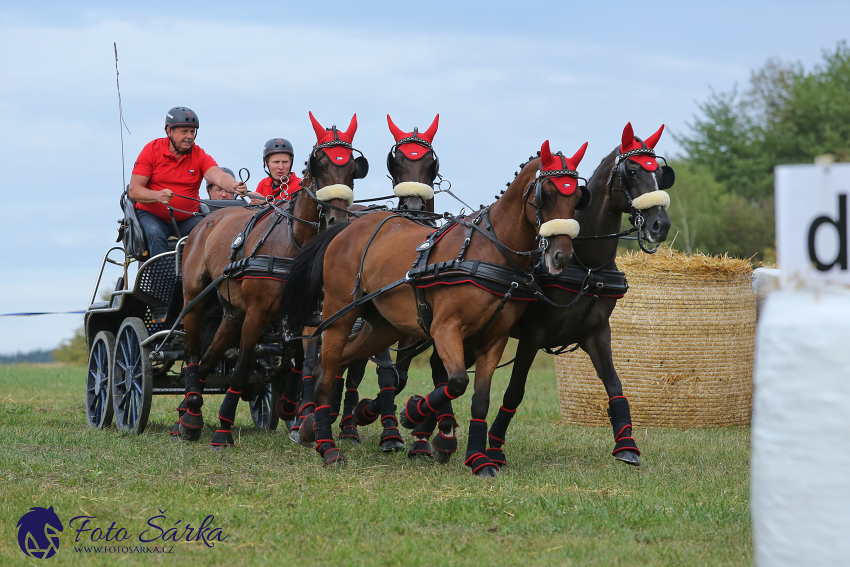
(182, 175)
(267, 188)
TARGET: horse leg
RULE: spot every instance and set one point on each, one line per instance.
(287, 404)
(448, 343)
(191, 422)
(445, 443)
(348, 424)
(598, 347)
(476, 448)
(334, 346)
(252, 328)
(391, 440)
(525, 353)
(308, 390)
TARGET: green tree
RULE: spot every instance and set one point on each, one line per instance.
(787, 115)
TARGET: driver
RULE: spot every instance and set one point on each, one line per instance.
(172, 168)
(281, 183)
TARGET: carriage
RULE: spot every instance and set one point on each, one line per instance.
(127, 361)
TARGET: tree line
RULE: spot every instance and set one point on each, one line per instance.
(723, 198)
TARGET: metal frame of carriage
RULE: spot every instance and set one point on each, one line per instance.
(125, 366)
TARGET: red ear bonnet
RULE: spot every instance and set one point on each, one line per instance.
(566, 184)
(412, 150)
(339, 154)
(631, 142)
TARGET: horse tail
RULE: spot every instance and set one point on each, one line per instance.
(303, 289)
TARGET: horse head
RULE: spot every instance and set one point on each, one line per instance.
(332, 169)
(639, 183)
(555, 195)
(413, 165)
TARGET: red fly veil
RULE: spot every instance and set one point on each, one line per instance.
(339, 154)
(631, 142)
(566, 176)
(414, 150)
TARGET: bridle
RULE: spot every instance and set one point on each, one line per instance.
(413, 139)
(537, 199)
(636, 214)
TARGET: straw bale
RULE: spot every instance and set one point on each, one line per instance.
(683, 339)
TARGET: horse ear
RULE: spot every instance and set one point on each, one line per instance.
(352, 128)
(396, 131)
(628, 137)
(576, 159)
(652, 140)
(319, 129)
(432, 129)
(546, 157)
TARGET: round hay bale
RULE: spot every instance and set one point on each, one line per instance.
(683, 339)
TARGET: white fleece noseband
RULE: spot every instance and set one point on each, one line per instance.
(414, 189)
(570, 227)
(652, 199)
(338, 191)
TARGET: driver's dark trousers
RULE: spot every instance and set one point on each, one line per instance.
(157, 230)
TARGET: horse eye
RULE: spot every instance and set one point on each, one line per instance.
(633, 173)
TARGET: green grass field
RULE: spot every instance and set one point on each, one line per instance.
(563, 500)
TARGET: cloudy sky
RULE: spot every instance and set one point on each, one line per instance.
(504, 77)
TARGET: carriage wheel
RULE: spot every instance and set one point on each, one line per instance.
(99, 381)
(132, 377)
(262, 409)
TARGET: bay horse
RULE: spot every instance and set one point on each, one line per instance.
(535, 213)
(250, 268)
(413, 166)
(628, 180)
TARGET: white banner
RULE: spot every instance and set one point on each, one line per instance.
(811, 222)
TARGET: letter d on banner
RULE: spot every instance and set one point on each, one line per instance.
(811, 235)
(841, 225)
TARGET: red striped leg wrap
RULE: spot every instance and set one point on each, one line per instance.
(621, 424)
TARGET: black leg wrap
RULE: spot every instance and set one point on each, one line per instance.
(621, 424)
(363, 414)
(325, 446)
(222, 438)
(194, 388)
(227, 411)
(421, 434)
(336, 397)
(476, 459)
(285, 408)
(497, 435)
(308, 428)
(348, 429)
(420, 449)
(391, 437)
(418, 408)
(175, 429)
(445, 443)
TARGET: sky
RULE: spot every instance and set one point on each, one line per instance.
(503, 76)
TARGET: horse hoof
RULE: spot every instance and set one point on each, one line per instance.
(421, 450)
(628, 457)
(219, 448)
(392, 446)
(403, 418)
(488, 471)
(175, 431)
(296, 437)
(333, 458)
(190, 433)
(308, 431)
(442, 457)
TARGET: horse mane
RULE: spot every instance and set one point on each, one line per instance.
(593, 175)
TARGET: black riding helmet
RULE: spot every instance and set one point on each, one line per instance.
(228, 171)
(181, 116)
(277, 146)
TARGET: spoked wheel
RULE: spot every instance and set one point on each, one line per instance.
(262, 408)
(99, 381)
(132, 377)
